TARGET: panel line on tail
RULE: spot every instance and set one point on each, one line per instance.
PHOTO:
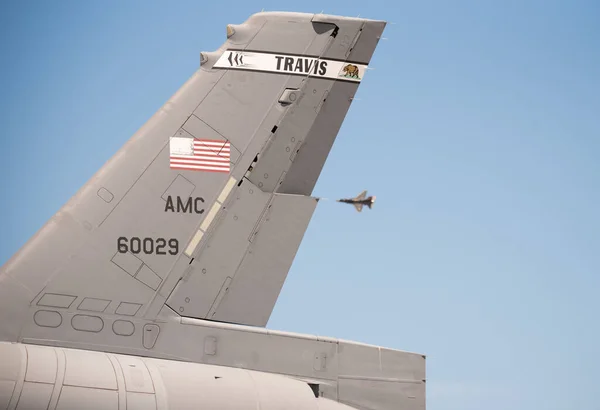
(132, 186)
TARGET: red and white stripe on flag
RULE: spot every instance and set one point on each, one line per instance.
(199, 155)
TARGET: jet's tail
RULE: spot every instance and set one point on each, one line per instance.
(372, 202)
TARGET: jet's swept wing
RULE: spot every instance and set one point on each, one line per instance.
(359, 205)
(204, 208)
(361, 196)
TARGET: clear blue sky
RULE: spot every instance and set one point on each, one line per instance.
(478, 130)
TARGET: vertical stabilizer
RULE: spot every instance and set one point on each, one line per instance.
(202, 211)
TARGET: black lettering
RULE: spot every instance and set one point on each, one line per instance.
(148, 246)
(160, 245)
(187, 206)
(315, 66)
(323, 68)
(136, 245)
(279, 58)
(198, 205)
(169, 204)
(308, 63)
(122, 244)
(181, 207)
(174, 245)
(298, 65)
(288, 64)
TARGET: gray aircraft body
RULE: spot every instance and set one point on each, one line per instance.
(359, 201)
(152, 286)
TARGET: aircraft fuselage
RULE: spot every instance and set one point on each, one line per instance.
(42, 377)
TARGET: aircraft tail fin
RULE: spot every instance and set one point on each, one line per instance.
(202, 211)
(372, 202)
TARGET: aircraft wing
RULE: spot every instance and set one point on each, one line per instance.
(361, 196)
(204, 208)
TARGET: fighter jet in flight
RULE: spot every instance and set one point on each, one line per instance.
(359, 201)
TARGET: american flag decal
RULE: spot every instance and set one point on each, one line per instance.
(199, 155)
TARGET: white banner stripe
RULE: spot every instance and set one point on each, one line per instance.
(291, 64)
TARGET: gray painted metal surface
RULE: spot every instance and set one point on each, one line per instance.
(40, 377)
(196, 221)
